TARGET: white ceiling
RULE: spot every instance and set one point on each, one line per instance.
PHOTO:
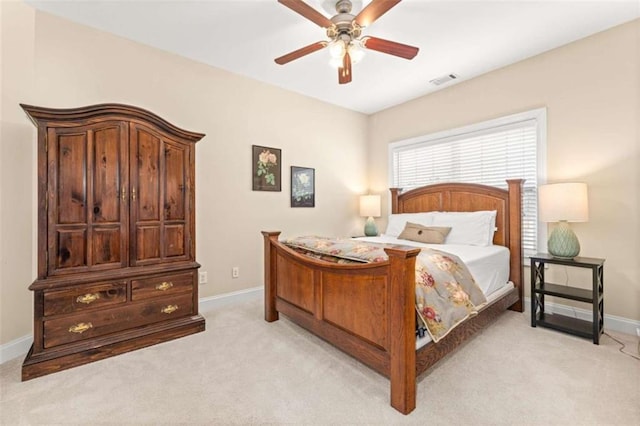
(467, 38)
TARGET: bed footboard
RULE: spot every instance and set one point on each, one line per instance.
(366, 310)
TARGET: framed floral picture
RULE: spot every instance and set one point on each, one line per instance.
(267, 169)
(303, 192)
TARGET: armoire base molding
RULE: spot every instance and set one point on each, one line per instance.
(97, 349)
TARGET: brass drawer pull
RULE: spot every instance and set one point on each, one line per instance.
(166, 285)
(80, 327)
(88, 298)
(169, 309)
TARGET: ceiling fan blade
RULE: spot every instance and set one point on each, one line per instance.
(308, 12)
(344, 72)
(301, 52)
(390, 47)
(373, 11)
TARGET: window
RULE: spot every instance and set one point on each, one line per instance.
(487, 153)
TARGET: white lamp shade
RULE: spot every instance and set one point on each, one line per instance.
(563, 202)
(370, 205)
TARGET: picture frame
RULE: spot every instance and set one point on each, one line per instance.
(267, 168)
(303, 191)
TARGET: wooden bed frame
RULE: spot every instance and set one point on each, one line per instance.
(368, 310)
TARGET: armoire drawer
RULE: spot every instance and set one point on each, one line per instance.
(162, 285)
(77, 299)
(104, 321)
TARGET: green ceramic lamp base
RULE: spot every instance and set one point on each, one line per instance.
(370, 229)
(563, 242)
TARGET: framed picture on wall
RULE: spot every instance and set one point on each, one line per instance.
(267, 169)
(303, 192)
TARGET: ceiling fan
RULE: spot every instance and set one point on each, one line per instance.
(344, 30)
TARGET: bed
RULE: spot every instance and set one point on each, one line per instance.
(368, 310)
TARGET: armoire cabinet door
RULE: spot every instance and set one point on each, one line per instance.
(88, 174)
(160, 197)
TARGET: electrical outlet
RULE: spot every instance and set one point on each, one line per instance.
(235, 272)
(202, 277)
(638, 331)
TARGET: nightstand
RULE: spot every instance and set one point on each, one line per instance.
(595, 296)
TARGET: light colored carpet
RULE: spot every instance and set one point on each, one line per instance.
(243, 370)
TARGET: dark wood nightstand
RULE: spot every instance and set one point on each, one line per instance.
(595, 296)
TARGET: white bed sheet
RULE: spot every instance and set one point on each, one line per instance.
(488, 265)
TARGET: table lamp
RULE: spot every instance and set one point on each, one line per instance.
(563, 203)
(370, 208)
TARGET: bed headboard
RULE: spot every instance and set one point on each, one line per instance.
(468, 197)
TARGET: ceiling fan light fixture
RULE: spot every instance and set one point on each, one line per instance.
(335, 62)
(344, 30)
(356, 51)
(337, 49)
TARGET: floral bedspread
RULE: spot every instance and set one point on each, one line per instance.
(446, 293)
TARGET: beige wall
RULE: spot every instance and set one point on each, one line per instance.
(51, 62)
(591, 89)
(16, 165)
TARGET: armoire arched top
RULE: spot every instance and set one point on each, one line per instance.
(89, 114)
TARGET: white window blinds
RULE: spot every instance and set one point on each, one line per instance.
(487, 154)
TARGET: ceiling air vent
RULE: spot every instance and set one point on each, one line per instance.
(444, 79)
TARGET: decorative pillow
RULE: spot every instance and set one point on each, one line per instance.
(469, 228)
(398, 221)
(424, 234)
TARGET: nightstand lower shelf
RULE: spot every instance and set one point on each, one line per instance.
(566, 324)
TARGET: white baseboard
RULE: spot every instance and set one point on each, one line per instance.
(207, 304)
(611, 322)
(15, 348)
(20, 346)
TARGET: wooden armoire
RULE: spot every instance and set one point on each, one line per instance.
(116, 235)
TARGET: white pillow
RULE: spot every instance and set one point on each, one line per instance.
(469, 228)
(398, 221)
